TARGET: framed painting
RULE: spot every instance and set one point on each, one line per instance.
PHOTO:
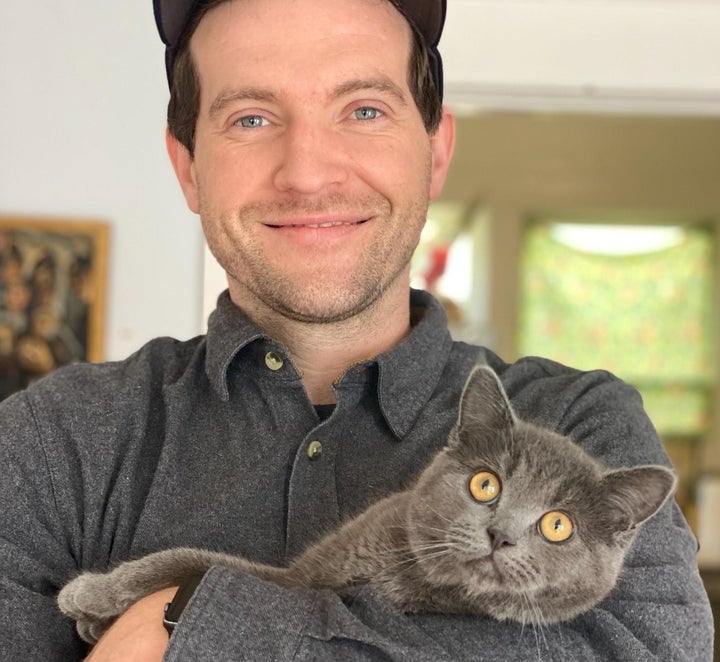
(52, 296)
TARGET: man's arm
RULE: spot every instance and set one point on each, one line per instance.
(66, 503)
(139, 636)
(34, 552)
(235, 616)
(658, 611)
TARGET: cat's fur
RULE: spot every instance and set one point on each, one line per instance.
(428, 548)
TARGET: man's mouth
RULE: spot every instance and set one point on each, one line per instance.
(324, 224)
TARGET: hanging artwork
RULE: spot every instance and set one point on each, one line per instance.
(52, 296)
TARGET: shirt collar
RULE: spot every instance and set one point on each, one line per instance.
(229, 330)
(410, 372)
(407, 374)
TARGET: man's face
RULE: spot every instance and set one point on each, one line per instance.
(312, 169)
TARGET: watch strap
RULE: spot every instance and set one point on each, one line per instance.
(175, 608)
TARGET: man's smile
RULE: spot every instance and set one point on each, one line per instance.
(316, 223)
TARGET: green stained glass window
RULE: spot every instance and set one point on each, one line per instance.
(645, 315)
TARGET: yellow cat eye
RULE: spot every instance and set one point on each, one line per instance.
(485, 487)
(555, 526)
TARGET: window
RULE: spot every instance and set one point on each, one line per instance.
(633, 300)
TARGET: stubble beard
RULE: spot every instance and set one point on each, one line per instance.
(260, 282)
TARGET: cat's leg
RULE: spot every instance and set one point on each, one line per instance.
(95, 600)
(359, 552)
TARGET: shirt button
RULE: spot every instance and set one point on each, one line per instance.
(314, 450)
(273, 361)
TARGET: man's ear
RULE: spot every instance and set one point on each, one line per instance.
(442, 143)
(184, 166)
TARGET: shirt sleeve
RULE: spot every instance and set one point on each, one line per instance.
(34, 552)
(658, 611)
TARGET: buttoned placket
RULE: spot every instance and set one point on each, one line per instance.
(312, 505)
(370, 412)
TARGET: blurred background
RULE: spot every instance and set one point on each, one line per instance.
(580, 221)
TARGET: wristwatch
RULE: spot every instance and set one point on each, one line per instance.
(174, 609)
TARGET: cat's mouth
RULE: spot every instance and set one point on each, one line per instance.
(489, 566)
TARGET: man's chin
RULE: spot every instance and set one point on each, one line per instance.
(329, 307)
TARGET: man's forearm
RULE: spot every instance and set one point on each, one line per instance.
(138, 635)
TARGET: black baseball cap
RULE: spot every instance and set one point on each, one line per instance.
(428, 16)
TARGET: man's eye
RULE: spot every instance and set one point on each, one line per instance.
(367, 113)
(251, 122)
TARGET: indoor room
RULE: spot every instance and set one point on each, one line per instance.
(580, 220)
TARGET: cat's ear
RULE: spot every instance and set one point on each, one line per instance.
(636, 494)
(484, 404)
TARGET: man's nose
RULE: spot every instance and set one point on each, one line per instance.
(311, 159)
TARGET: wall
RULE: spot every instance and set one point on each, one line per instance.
(83, 95)
(623, 56)
(82, 118)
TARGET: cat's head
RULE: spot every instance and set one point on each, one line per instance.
(522, 521)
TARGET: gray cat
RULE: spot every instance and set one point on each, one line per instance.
(509, 520)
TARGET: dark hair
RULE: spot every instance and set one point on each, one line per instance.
(184, 105)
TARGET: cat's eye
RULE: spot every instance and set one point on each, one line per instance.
(556, 526)
(485, 486)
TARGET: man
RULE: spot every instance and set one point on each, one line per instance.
(309, 138)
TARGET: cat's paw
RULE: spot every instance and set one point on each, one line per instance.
(92, 599)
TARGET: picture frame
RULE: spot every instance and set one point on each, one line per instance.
(53, 279)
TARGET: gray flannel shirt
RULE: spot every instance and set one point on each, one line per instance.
(205, 443)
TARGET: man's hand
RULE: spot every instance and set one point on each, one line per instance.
(138, 635)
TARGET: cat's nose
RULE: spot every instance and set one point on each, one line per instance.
(499, 539)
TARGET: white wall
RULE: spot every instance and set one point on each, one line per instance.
(658, 56)
(82, 116)
(83, 95)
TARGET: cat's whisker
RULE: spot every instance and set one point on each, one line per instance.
(428, 527)
(413, 550)
(431, 546)
(415, 559)
(429, 543)
(423, 554)
(538, 621)
(436, 512)
(531, 619)
(560, 634)
(533, 625)
(527, 620)
(434, 536)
